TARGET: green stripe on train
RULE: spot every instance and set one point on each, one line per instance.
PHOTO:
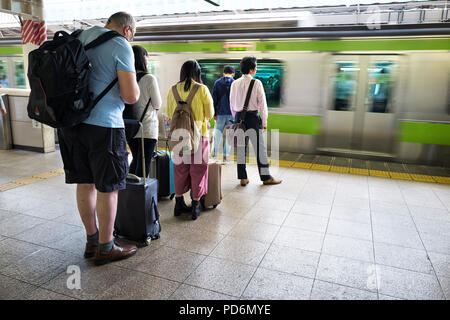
(11, 50)
(355, 45)
(290, 124)
(421, 132)
(294, 124)
(326, 45)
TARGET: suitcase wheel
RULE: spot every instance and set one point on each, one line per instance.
(172, 196)
(215, 206)
(148, 241)
(156, 237)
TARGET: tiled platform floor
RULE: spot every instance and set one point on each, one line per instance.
(318, 235)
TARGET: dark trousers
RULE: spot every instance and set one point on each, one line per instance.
(136, 151)
(254, 134)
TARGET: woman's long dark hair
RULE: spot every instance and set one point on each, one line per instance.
(190, 70)
(140, 62)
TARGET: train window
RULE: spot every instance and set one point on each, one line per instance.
(345, 85)
(4, 74)
(379, 87)
(19, 74)
(270, 72)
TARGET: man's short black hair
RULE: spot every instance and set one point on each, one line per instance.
(247, 64)
(228, 69)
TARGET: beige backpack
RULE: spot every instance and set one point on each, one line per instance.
(183, 125)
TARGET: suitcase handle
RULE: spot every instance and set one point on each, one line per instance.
(131, 176)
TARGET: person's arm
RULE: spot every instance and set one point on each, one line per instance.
(233, 99)
(3, 110)
(124, 57)
(129, 89)
(262, 104)
(208, 108)
(155, 94)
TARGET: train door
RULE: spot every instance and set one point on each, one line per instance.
(360, 118)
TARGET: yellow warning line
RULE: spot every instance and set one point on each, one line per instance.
(445, 180)
(422, 178)
(303, 165)
(400, 175)
(321, 167)
(340, 169)
(28, 180)
(379, 173)
(363, 172)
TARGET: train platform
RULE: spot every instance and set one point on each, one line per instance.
(336, 228)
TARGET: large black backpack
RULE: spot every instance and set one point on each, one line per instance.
(58, 72)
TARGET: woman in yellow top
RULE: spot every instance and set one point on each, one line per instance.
(191, 175)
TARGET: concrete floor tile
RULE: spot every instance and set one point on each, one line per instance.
(271, 203)
(187, 292)
(404, 237)
(139, 286)
(306, 222)
(222, 276)
(445, 283)
(241, 250)
(291, 260)
(247, 229)
(18, 224)
(331, 291)
(43, 294)
(4, 214)
(436, 242)
(170, 263)
(47, 233)
(350, 214)
(441, 263)
(253, 230)
(408, 284)
(264, 215)
(40, 266)
(197, 241)
(316, 209)
(429, 213)
(401, 257)
(389, 220)
(348, 272)
(349, 229)
(352, 202)
(94, 280)
(389, 207)
(12, 250)
(432, 226)
(269, 285)
(351, 248)
(299, 239)
(12, 289)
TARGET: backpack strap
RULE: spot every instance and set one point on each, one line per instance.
(247, 100)
(104, 92)
(191, 95)
(102, 38)
(175, 94)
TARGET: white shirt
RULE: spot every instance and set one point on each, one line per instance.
(238, 93)
(149, 88)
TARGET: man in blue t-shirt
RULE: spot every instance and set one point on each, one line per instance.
(222, 112)
(94, 152)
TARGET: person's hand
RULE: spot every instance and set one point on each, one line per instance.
(3, 111)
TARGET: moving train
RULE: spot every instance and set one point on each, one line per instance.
(347, 91)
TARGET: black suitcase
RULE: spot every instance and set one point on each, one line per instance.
(161, 169)
(137, 216)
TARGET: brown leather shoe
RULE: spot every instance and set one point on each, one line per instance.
(271, 181)
(244, 182)
(90, 250)
(116, 253)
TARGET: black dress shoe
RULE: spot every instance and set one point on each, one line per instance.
(180, 207)
(195, 209)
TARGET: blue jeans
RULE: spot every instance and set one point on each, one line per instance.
(221, 122)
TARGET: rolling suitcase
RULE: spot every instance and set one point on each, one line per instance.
(214, 195)
(162, 170)
(137, 216)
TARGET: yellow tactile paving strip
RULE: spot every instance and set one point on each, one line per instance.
(28, 180)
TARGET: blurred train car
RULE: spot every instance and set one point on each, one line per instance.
(347, 91)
